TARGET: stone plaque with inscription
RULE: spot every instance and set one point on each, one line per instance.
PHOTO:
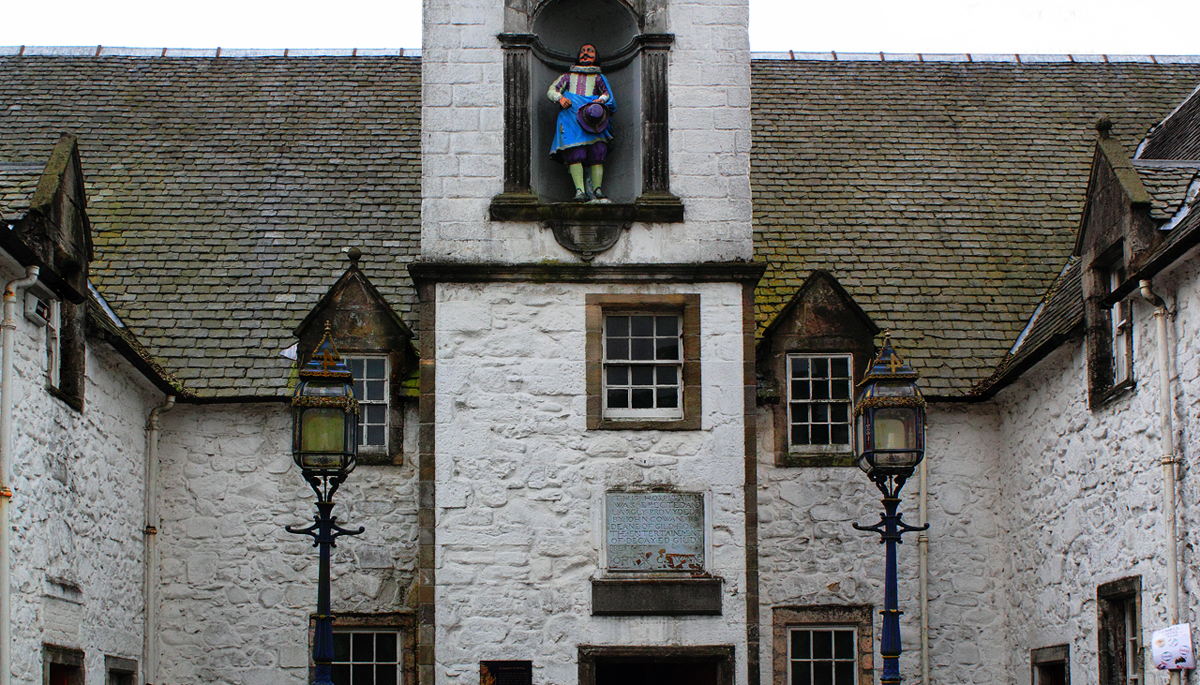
(505, 673)
(655, 531)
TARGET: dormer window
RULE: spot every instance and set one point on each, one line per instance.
(1121, 327)
(1110, 328)
(820, 388)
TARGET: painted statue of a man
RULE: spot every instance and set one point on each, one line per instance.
(584, 129)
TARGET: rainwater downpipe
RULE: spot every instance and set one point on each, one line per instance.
(8, 331)
(150, 658)
(923, 568)
(1167, 437)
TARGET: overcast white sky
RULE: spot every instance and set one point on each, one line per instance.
(1161, 27)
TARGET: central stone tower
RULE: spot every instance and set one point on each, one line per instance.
(587, 331)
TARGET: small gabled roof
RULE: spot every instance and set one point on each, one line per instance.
(353, 277)
(824, 280)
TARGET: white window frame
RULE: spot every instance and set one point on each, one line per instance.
(835, 448)
(397, 633)
(677, 363)
(793, 660)
(54, 345)
(1121, 322)
(364, 402)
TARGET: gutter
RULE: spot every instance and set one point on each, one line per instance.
(8, 331)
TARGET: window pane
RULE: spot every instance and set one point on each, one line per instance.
(363, 674)
(839, 435)
(841, 389)
(617, 325)
(820, 390)
(356, 367)
(375, 413)
(839, 367)
(385, 647)
(374, 435)
(341, 646)
(617, 375)
(667, 348)
(341, 674)
(800, 368)
(800, 390)
(362, 647)
(800, 435)
(822, 671)
(641, 325)
(618, 348)
(667, 375)
(800, 648)
(618, 399)
(822, 644)
(385, 674)
(839, 412)
(642, 375)
(820, 413)
(376, 367)
(843, 644)
(801, 675)
(643, 398)
(641, 348)
(820, 434)
(375, 391)
(668, 398)
(820, 368)
(667, 325)
(844, 672)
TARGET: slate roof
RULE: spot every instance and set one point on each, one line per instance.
(944, 196)
(224, 192)
(17, 183)
(1176, 137)
(1167, 184)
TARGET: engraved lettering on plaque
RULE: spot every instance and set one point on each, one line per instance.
(655, 531)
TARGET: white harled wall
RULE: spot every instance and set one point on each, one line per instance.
(1084, 489)
(237, 590)
(521, 481)
(77, 514)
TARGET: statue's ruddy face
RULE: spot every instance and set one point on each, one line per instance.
(587, 55)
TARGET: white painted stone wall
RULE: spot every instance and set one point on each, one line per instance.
(810, 555)
(1083, 489)
(463, 136)
(237, 590)
(77, 510)
(521, 481)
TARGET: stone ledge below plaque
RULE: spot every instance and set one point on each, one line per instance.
(656, 597)
(650, 208)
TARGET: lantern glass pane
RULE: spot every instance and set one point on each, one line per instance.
(895, 429)
(322, 429)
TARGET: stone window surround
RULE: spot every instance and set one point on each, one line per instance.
(688, 306)
(1112, 598)
(67, 381)
(786, 617)
(720, 655)
(1045, 656)
(405, 623)
(392, 432)
(1099, 308)
(118, 666)
(65, 656)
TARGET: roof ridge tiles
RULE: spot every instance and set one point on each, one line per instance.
(1020, 58)
(117, 51)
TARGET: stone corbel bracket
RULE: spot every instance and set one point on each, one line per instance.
(586, 238)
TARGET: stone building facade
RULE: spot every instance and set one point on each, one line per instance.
(527, 519)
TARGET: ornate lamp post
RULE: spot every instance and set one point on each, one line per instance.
(324, 446)
(889, 417)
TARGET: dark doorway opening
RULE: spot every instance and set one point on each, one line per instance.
(707, 665)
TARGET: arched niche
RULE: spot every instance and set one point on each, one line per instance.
(561, 26)
(541, 42)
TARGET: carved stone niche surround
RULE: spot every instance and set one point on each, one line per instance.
(1116, 234)
(634, 57)
(820, 318)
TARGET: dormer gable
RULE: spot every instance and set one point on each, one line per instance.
(1116, 206)
(377, 345)
(810, 359)
(56, 227)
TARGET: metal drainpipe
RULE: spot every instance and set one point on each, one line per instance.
(1166, 408)
(8, 331)
(923, 569)
(150, 645)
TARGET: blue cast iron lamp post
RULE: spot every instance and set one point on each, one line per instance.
(889, 416)
(324, 446)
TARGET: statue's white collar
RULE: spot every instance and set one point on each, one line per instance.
(585, 70)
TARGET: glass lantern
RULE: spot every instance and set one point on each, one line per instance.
(325, 414)
(889, 417)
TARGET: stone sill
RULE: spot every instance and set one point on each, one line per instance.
(792, 459)
(656, 597)
(657, 208)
